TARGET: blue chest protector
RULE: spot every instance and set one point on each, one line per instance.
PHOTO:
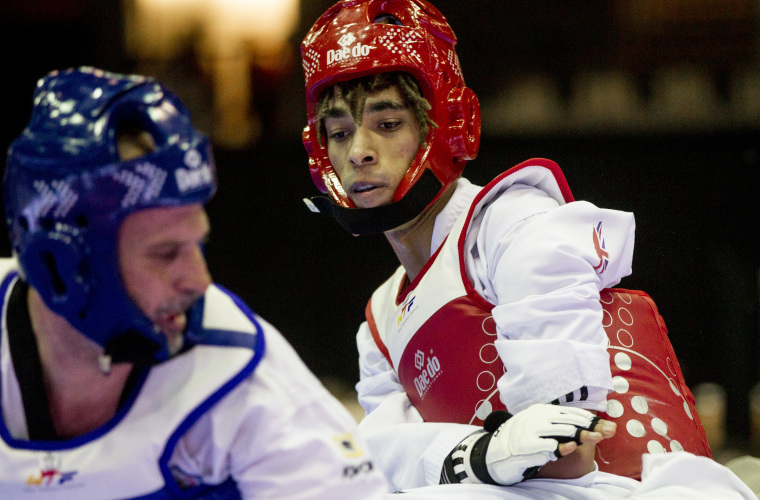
(131, 455)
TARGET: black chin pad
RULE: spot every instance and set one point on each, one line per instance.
(375, 220)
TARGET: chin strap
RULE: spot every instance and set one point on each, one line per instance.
(375, 220)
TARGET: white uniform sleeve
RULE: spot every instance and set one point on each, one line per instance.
(410, 452)
(281, 435)
(544, 265)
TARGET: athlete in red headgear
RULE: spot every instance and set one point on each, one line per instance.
(357, 39)
(496, 304)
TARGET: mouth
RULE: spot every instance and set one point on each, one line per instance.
(171, 317)
(363, 187)
(172, 325)
(368, 194)
(171, 322)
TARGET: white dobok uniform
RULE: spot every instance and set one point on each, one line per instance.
(534, 266)
(237, 415)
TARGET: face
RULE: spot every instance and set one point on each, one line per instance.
(372, 157)
(163, 266)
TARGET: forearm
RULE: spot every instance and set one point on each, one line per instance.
(536, 442)
(573, 465)
(577, 464)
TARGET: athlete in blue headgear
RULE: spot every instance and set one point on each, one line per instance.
(124, 372)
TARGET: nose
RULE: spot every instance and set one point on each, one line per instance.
(194, 276)
(362, 151)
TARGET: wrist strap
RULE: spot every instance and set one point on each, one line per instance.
(476, 459)
(467, 462)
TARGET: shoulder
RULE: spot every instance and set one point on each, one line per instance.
(518, 202)
(534, 187)
(228, 320)
(278, 393)
(281, 384)
(277, 414)
(500, 209)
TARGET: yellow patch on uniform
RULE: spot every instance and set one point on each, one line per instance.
(348, 446)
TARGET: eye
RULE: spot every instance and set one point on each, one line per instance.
(389, 124)
(339, 135)
(164, 254)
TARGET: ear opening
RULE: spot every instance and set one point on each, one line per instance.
(133, 140)
(48, 260)
(385, 18)
(53, 265)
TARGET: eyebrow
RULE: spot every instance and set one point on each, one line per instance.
(374, 107)
(165, 244)
(386, 105)
(336, 112)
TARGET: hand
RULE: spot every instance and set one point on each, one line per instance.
(537, 435)
(513, 448)
(577, 460)
(604, 429)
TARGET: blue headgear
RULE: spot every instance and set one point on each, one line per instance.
(66, 193)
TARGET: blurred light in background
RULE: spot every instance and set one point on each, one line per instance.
(228, 37)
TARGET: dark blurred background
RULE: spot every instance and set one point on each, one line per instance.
(650, 106)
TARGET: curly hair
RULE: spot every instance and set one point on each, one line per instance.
(354, 92)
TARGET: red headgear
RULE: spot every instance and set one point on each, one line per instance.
(347, 43)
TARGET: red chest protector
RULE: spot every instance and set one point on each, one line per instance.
(449, 366)
(652, 405)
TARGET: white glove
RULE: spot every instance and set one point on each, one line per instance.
(513, 450)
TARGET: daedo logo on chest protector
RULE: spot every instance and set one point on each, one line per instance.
(197, 175)
(429, 368)
(347, 51)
